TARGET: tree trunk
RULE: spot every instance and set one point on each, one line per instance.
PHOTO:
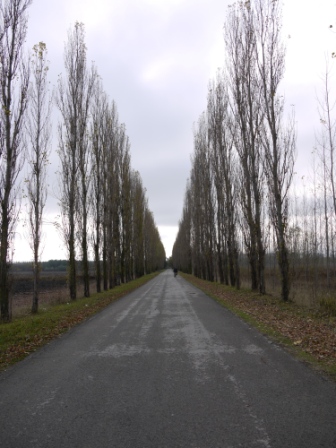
(85, 264)
(284, 269)
(98, 266)
(72, 262)
(36, 277)
(4, 281)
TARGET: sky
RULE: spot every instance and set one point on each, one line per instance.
(156, 58)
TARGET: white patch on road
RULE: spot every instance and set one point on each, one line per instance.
(126, 312)
(185, 333)
(119, 350)
(149, 318)
(264, 439)
(49, 399)
(253, 350)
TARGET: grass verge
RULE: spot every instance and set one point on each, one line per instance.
(310, 335)
(25, 335)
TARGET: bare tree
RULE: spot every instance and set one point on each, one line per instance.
(14, 83)
(106, 129)
(224, 164)
(138, 218)
(98, 143)
(328, 123)
(215, 116)
(203, 204)
(153, 248)
(126, 213)
(278, 140)
(73, 100)
(181, 254)
(327, 139)
(39, 131)
(111, 199)
(246, 97)
(85, 175)
(122, 160)
(326, 151)
(326, 212)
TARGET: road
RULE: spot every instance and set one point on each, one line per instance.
(165, 367)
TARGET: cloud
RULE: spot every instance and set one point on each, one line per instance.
(156, 58)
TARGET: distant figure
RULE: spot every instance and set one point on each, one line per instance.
(175, 272)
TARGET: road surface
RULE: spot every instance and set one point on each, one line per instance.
(165, 367)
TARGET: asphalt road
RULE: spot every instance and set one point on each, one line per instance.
(165, 366)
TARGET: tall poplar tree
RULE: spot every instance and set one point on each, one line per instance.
(39, 130)
(73, 100)
(14, 84)
(278, 139)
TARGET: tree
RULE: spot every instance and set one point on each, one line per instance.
(111, 199)
(182, 248)
(14, 83)
(85, 175)
(278, 140)
(328, 123)
(39, 130)
(202, 204)
(98, 137)
(246, 97)
(326, 152)
(126, 213)
(73, 100)
(138, 218)
(154, 253)
(224, 165)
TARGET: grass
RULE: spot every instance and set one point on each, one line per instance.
(309, 334)
(27, 333)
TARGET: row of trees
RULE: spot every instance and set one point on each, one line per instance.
(103, 203)
(242, 213)
(243, 160)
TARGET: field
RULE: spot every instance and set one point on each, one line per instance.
(53, 291)
(309, 288)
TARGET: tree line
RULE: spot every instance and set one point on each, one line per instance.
(46, 266)
(242, 212)
(103, 204)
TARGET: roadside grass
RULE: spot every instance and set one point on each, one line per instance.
(26, 334)
(308, 334)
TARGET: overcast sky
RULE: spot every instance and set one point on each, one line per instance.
(156, 58)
